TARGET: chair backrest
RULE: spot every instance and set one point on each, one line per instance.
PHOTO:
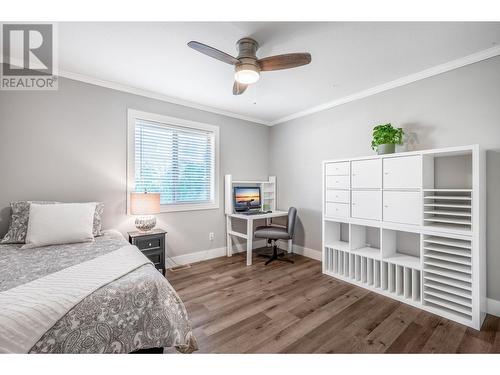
(292, 218)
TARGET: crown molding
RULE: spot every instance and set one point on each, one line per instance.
(146, 93)
(154, 95)
(438, 69)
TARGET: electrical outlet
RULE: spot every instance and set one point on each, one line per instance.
(211, 236)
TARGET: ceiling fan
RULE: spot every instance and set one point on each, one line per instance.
(247, 66)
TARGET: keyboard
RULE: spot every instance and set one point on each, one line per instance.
(254, 212)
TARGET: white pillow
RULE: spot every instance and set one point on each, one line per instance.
(60, 223)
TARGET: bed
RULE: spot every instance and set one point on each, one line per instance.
(136, 311)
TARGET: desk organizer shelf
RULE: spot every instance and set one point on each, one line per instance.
(267, 188)
(410, 226)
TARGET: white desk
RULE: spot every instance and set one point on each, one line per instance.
(249, 234)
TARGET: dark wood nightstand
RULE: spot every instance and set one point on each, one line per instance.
(152, 244)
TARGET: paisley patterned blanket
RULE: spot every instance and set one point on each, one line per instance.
(137, 311)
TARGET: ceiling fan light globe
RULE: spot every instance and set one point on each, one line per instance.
(246, 74)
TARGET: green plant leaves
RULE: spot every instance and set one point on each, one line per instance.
(386, 133)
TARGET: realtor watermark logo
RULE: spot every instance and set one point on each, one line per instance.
(29, 57)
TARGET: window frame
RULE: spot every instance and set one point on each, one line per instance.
(132, 116)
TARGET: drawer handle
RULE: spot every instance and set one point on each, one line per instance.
(150, 244)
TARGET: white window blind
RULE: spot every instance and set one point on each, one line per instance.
(177, 162)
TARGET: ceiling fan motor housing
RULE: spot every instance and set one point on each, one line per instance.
(247, 47)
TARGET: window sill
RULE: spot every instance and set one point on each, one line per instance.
(188, 207)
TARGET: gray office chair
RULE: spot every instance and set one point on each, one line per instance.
(274, 233)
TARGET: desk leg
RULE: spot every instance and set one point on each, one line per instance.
(229, 245)
(249, 241)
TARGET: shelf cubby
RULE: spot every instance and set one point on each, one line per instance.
(338, 262)
(404, 282)
(401, 248)
(357, 268)
(450, 171)
(365, 241)
(447, 191)
(364, 270)
(337, 235)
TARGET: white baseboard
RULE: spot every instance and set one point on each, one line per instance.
(304, 251)
(310, 253)
(493, 306)
(199, 256)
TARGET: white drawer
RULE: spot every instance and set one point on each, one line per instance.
(338, 196)
(337, 169)
(337, 182)
(402, 207)
(367, 204)
(336, 209)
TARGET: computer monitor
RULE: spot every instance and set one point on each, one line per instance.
(246, 198)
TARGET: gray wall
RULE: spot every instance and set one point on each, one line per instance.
(70, 145)
(456, 108)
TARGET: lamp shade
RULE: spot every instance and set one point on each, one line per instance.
(144, 203)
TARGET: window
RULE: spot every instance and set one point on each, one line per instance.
(173, 157)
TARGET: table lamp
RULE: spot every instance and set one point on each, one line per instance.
(146, 205)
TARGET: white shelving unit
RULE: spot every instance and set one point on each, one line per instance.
(410, 226)
(267, 188)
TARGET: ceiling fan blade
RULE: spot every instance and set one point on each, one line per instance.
(239, 88)
(212, 52)
(290, 60)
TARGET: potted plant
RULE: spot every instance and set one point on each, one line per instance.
(385, 138)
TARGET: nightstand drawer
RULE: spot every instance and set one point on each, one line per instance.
(152, 245)
(155, 256)
(148, 243)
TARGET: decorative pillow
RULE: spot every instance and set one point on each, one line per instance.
(19, 221)
(20, 216)
(97, 228)
(59, 223)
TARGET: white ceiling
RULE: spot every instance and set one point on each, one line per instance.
(346, 58)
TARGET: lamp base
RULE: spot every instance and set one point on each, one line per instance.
(145, 223)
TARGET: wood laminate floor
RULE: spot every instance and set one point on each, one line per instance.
(294, 308)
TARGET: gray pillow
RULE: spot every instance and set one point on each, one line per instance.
(20, 217)
(99, 210)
